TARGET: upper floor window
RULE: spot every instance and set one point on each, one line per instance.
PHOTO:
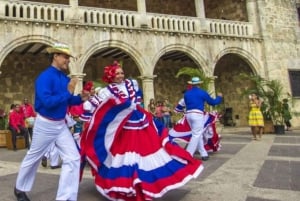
(298, 12)
(295, 82)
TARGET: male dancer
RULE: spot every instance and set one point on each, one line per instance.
(54, 92)
(194, 100)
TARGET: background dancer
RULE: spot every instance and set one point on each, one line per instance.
(194, 100)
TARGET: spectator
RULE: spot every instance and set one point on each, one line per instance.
(17, 126)
(29, 115)
(159, 111)
(166, 109)
(151, 106)
(286, 114)
(256, 119)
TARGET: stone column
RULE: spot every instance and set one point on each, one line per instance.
(73, 3)
(148, 88)
(252, 12)
(200, 9)
(200, 13)
(141, 8)
(74, 15)
(80, 77)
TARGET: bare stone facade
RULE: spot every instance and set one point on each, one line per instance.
(155, 39)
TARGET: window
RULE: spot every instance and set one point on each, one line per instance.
(295, 82)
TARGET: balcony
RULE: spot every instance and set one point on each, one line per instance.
(97, 17)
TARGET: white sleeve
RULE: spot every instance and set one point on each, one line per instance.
(104, 94)
(87, 106)
(135, 85)
(181, 102)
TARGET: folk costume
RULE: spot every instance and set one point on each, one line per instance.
(194, 101)
(130, 154)
(90, 105)
(211, 139)
(52, 99)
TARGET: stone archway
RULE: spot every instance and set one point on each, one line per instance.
(94, 66)
(169, 61)
(235, 106)
(134, 54)
(19, 70)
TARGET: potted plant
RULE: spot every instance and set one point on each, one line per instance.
(274, 95)
(3, 126)
(3, 119)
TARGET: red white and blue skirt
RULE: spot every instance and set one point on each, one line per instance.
(182, 132)
(131, 155)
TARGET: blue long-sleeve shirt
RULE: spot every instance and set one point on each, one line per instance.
(195, 98)
(52, 97)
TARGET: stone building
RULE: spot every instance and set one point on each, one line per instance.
(154, 39)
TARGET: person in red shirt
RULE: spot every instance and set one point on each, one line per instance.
(17, 126)
(29, 115)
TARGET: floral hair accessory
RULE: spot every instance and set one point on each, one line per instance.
(88, 86)
(110, 72)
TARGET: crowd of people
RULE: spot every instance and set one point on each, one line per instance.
(126, 145)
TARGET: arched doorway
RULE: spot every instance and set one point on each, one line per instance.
(19, 70)
(228, 70)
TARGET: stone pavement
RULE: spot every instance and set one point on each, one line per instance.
(244, 170)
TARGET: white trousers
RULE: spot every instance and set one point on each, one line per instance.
(53, 155)
(45, 133)
(196, 121)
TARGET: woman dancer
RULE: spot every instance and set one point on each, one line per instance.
(130, 154)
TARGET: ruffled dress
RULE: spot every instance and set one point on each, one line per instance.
(181, 131)
(255, 116)
(130, 154)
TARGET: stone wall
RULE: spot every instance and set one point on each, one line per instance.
(18, 76)
(280, 32)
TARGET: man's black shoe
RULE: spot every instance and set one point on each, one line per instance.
(20, 195)
(205, 158)
(44, 161)
(55, 167)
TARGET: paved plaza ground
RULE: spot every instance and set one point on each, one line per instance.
(244, 170)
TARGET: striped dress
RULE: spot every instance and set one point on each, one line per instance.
(255, 116)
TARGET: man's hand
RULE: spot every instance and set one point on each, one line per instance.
(72, 85)
(220, 94)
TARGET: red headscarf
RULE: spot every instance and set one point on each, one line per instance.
(110, 72)
(88, 86)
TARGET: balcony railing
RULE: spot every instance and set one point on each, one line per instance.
(232, 28)
(90, 16)
(173, 23)
(108, 17)
(33, 11)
